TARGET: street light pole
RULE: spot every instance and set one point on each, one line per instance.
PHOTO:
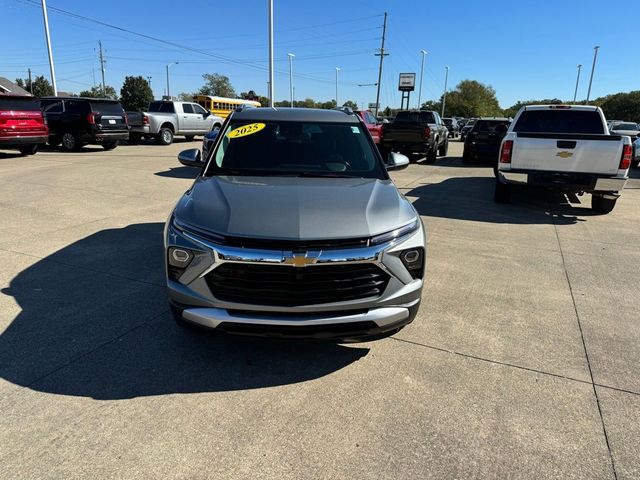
(271, 86)
(168, 65)
(446, 80)
(424, 53)
(575, 94)
(291, 55)
(337, 70)
(46, 33)
(593, 67)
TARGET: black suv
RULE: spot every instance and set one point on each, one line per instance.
(484, 139)
(452, 126)
(76, 121)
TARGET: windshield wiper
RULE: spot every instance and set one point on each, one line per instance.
(325, 174)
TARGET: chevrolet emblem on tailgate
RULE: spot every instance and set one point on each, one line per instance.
(564, 154)
(300, 259)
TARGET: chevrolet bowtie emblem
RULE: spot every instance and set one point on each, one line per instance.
(301, 259)
(564, 154)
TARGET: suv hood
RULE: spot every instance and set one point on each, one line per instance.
(290, 208)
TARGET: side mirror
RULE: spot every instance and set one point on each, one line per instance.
(191, 158)
(397, 161)
(206, 114)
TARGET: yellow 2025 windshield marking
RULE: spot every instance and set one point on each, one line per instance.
(245, 130)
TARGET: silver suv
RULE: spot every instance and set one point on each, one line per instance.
(295, 229)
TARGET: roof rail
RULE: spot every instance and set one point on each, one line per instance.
(347, 110)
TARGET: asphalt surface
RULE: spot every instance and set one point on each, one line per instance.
(524, 361)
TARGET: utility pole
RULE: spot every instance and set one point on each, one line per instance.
(381, 55)
(291, 55)
(271, 86)
(337, 70)
(593, 68)
(446, 80)
(149, 81)
(102, 60)
(168, 65)
(575, 94)
(424, 54)
(46, 32)
(30, 83)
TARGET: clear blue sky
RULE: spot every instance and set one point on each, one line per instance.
(524, 49)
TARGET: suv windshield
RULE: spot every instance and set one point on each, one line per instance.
(280, 148)
(415, 117)
(560, 121)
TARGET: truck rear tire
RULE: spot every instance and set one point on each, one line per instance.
(602, 205)
(164, 136)
(502, 192)
(134, 138)
(189, 138)
(432, 155)
(110, 144)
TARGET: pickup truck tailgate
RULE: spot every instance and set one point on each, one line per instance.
(408, 134)
(581, 153)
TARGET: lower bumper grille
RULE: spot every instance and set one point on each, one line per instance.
(291, 286)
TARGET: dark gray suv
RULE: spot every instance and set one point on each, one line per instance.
(295, 229)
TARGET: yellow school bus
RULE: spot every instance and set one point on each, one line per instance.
(222, 106)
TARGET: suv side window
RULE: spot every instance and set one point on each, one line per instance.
(54, 107)
(187, 108)
(75, 106)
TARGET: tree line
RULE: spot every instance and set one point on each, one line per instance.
(470, 98)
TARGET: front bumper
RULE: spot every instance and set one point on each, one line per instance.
(564, 181)
(195, 302)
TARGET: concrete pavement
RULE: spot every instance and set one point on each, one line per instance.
(522, 363)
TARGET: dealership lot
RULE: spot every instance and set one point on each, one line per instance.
(522, 363)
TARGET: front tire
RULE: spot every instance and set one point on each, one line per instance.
(602, 205)
(165, 136)
(432, 155)
(29, 149)
(444, 149)
(502, 192)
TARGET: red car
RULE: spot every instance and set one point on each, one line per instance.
(374, 127)
(22, 126)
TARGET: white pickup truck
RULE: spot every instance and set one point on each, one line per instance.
(564, 148)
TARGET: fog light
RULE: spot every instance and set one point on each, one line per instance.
(179, 257)
(413, 260)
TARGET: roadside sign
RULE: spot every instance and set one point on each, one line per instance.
(407, 82)
(374, 105)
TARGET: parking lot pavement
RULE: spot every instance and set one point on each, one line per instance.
(522, 363)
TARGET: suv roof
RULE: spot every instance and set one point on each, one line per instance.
(296, 115)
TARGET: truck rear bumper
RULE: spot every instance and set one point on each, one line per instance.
(565, 181)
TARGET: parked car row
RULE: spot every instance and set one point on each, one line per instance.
(28, 122)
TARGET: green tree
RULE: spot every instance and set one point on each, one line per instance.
(621, 106)
(350, 104)
(185, 97)
(215, 84)
(327, 105)
(135, 93)
(41, 86)
(96, 92)
(472, 99)
(513, 109)
(387, 112)
(431, 105)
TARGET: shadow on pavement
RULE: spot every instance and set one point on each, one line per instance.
(471, 198)
(179, 172)
(94, 323)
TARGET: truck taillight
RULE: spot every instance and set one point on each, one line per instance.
(426, 133)
(145, 120)
(507, 150)
(625, 161)
(91, 118)
(126, 119)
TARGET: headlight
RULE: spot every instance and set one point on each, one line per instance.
(397, 233)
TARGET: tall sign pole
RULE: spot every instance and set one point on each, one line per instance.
(575, 94)
(291, 55)
(382, 55)
(424, 54)
(593, 68)
(271, 87)
(46, 32)
(102, 60)
(446, 80)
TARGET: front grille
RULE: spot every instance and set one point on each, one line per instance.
(287, 286)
